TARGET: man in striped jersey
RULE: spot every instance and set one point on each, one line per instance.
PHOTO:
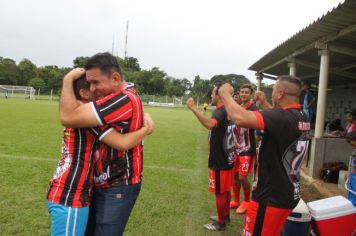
(70, 189)
(117, 174)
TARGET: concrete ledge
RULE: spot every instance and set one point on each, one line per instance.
(326, 189)
(328, 150)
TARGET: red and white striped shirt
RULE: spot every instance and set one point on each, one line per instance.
(72, 181)
(123, 111)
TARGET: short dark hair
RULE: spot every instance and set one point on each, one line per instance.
(351, 112)
(248, 86)
(237, 93)
(307, 83)
(79, 84)
(105, 61)
(351, 136)
(219, 84)
(291, 79)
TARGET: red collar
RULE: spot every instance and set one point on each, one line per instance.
(248, 105)
(292, 106)
(219, 106)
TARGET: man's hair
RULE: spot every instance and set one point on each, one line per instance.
(105, 61)
(351, 136)
(79, 84)
(248, 86)
(291, 79)
(307, 83)
(219, 84)
(352, 113)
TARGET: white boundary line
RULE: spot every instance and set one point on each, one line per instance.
(28, 158)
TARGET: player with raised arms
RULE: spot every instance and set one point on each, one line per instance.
(220, 165)
(276, 187)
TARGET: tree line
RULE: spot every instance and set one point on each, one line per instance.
(151, 82)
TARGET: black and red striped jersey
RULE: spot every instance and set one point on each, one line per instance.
(123, 111)
(72, 181)
(284, 145)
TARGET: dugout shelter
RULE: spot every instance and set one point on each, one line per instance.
(323, 53)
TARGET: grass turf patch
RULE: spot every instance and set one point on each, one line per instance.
(174, 199)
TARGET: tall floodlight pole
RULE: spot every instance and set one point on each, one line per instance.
(113, 44)
(127, 32)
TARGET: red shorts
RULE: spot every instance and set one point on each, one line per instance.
(220, 180)
(264, 220)
(244, 165)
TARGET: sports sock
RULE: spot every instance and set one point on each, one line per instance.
(220, 199)
(236, 188)
(247, 195)
(227, 200)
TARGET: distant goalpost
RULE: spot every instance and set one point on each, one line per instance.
(169, 102)
(12, 91)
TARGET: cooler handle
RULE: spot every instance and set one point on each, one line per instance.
(347, 188)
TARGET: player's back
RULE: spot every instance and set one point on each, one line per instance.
(73, 178)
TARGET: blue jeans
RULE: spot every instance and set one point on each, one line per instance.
(110, 209)
(67, 220)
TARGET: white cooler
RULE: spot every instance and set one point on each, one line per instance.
(333, 216)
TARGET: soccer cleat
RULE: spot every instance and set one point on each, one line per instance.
(215, 219)
(214, 226)
(242, 208)
(234, 204)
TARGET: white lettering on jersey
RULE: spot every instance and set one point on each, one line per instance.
(292, 161)
(243, 141)
(103, 177)
(244, 167)
(230, 143)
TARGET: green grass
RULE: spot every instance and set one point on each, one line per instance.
(174, 199)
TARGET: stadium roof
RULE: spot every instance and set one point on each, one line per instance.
(336, 30)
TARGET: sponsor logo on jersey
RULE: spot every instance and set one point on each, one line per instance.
(304, 126)
(103, 177)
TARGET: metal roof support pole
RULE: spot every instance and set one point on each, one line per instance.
(259, 78)
(322, 92)
(292, 67)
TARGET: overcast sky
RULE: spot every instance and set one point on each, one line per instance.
(183, 37)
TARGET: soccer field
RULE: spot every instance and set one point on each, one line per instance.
(174, 199)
